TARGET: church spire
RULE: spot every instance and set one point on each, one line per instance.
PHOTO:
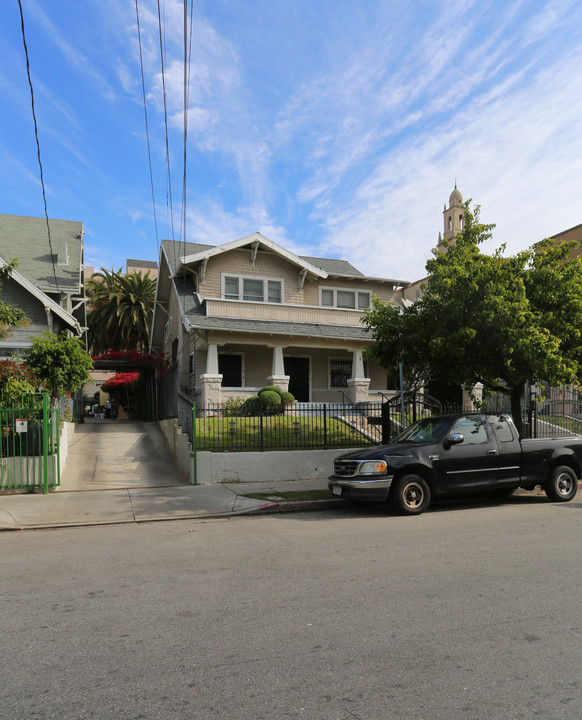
(453, 217)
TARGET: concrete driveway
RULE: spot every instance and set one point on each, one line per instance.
(113, 454)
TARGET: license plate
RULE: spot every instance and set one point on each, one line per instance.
(336, 490)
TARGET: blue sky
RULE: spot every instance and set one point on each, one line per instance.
(337, 128)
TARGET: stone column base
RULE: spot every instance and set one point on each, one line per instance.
(358, 389)
(211, 391)
(281, 381)
(468, 403)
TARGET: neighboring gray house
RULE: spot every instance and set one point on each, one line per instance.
(233, 318)
(48, 286)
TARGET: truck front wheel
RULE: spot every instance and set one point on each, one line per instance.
(410, 495)
(562, 485)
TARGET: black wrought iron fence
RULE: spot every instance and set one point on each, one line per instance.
(229, 427)
(298, 426)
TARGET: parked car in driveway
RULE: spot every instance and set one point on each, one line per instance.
(458, 454)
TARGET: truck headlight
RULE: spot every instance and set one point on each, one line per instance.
(373, 467)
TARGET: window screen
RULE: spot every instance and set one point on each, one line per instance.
(274, 291)
(231, 288)
(346, 299)
(253, 290)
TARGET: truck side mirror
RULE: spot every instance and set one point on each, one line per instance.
(453, 439)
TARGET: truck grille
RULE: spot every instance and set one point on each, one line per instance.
(345, 468)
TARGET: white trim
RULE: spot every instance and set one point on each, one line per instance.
(248, 240)
(265, 279)
(48, 303)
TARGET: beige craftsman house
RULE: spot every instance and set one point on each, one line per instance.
(233, 318)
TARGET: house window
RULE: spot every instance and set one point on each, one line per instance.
(230, 366)
(345, 299)
(274, 289)
(340, 371)
(327, 297)
(191, 363)
(231, 290)
(253, 289)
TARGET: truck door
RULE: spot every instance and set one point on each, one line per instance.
(472, 463)
(509, 450)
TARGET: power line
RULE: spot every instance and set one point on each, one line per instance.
(147, 125)
(48, 229)
(187, 57)
(165, 118)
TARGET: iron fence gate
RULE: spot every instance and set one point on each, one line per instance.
(29, 444)
(556, 418)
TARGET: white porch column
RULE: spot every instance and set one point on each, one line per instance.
(211, 380)
(358, 384)
(278, 376)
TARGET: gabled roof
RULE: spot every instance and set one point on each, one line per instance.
(43, 298)
(344, 269)
(26, 238)
(257, 240)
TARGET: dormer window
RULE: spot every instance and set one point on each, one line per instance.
(252, 289)
(345, 299)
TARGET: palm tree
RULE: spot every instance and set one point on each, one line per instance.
(120, 310)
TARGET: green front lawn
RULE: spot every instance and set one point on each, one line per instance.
(279, 432)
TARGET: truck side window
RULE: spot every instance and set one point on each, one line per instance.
(472, 430)
(501, 429)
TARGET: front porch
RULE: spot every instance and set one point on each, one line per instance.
(310, 374)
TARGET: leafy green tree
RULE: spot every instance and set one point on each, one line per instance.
(10, 317)
(120, 310)
(491, 319)
(59, 361)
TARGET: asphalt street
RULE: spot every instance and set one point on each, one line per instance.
(472, 610)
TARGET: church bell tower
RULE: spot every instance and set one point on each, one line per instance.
(453, 219)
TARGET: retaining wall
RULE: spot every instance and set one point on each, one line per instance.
(229, 467)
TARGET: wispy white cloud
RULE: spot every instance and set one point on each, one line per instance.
(77, 59)
(518, 156)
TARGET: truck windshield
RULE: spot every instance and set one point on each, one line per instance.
(424, 431)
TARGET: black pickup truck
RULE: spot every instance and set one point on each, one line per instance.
(457, 455)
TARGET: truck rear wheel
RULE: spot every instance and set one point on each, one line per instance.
(410, 495)
(562, 485)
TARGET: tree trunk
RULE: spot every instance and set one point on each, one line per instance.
(516, 395)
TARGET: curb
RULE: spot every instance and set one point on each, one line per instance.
(296, 506)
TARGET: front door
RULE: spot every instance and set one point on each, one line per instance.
(298, 370)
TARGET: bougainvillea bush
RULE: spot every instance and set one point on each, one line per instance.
(120, 381)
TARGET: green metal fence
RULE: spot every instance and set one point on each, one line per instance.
(29, 444)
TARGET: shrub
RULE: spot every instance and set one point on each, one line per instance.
(269, 399)
(287, 398)
(252, 405)
(271, 388)
(16, 380)
(234, 407)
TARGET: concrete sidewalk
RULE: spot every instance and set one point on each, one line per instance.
(147, 504)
